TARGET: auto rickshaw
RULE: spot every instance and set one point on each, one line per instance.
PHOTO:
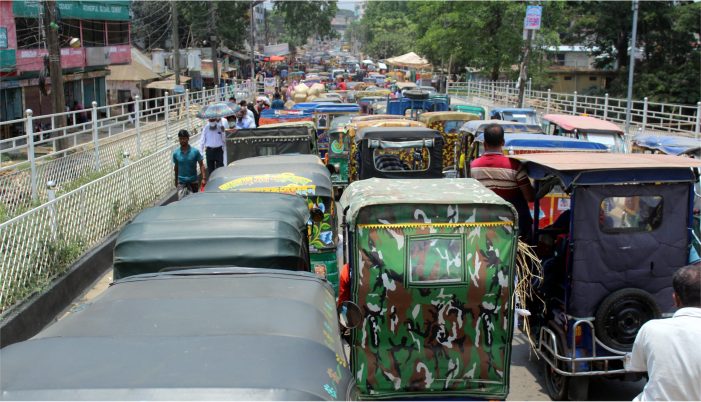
(324, 114)
(303, 175)
(225, 333)
(668, 145)
(586, 128)
(205, 229)
(432, 269)
(360, 122)
(448, 124)
(399, 152)
(366, 103)
(297, 137)
(520, 115)
(416, 103)
(481, 111)
(608, 263)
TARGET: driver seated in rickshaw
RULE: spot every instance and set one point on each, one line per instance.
(385, 162)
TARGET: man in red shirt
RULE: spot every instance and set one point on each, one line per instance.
(341, 84)
(504, 176)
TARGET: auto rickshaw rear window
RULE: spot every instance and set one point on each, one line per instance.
(639, 213)
(435, 260)
(403, 159)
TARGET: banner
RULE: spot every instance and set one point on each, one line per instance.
(113, 10)
(269, 85)
(532, 20)
(280, 49)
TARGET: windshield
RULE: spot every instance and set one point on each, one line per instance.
(452, 126)
(521, 117)
(612, 141)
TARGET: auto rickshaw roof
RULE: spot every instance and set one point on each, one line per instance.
(337, 108)
(581, 123)
(544, 141)
(282, 130)
(512, 110)
(289, 173)
(389, 133)
(283, 114)
(430, 117)
(474, 126)
(201, 334)
(575, 168)
(668, 144)
(405, 84)
(364, 193)
(209, 229)
(309, 125)
(370, 117)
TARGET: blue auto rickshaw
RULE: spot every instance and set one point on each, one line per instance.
(521, 115)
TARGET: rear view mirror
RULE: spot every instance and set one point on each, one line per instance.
(349, 315)
(317, 214)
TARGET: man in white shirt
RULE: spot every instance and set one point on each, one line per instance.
(668, 349)
(243, 120)
(213, 144)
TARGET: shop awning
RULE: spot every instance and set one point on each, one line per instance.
(411, 60)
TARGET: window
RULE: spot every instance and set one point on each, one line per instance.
(118, 33)
(568, 78)
(435, 260)
(69, 29)
(93, 33)
(28, 33)
(560, 59)
(638, 213)
(409, 159)
(592, 78)
(452, 126)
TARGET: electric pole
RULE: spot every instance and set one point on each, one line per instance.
(631, 65)
(57, 96)
(253, 44)
(176, 42)
(213, 42)
(523, 71)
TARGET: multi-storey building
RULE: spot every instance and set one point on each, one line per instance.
(102, 28)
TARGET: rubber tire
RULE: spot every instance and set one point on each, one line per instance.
(624, 312)
(556, 385)
(578, 388)
(416, 94)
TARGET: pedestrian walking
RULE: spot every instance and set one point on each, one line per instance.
(185, 160)
(243, 120)
(214, 144)
(667, 348)
(277, 102)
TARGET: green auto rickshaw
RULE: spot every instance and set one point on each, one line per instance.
(303, 175)
(432, 270)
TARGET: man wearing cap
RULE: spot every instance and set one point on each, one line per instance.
(213, 144)
(186, 159)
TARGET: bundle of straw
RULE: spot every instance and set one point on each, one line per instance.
(528, 271)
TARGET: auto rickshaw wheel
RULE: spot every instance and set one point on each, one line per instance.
(555, 384)
(621, 314)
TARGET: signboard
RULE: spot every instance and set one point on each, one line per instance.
(269, 85)
(114, 10)
(280, 49)
(3, 38)
(532, 20)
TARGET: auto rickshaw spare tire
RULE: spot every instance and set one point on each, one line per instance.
(621, 314)
(416, 94)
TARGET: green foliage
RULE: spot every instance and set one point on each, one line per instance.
(387, 28)
(306, 19)
(197, 19)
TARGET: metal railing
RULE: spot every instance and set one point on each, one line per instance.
(646, 116)
(41, 244)
(99, 139)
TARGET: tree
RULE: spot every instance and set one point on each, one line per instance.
(305, 19)
(387, 29)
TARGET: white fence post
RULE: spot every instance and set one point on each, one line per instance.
(51, 194)
(468, 90)
(697, 130)
(137, 122)
(644, 113)
(574, 104)
(530, 84)
(95, 138)
(166, 106)
(30, 152)
(547, 103)
(187, 109)
(606, 105)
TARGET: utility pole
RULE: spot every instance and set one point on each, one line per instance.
(631, 65)
(57, 96)
(523, 71)
(253, 44)
(176, 42)
(213, 42)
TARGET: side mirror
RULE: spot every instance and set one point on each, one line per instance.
(331, 168)
(317, 214)
(349, 315)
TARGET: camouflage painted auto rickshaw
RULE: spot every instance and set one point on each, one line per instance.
(608, 264)
(432, 269)
(216, 230)
(360, 122)
(399, 152)
(303, 175)
(283, 138)
(448, 124)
